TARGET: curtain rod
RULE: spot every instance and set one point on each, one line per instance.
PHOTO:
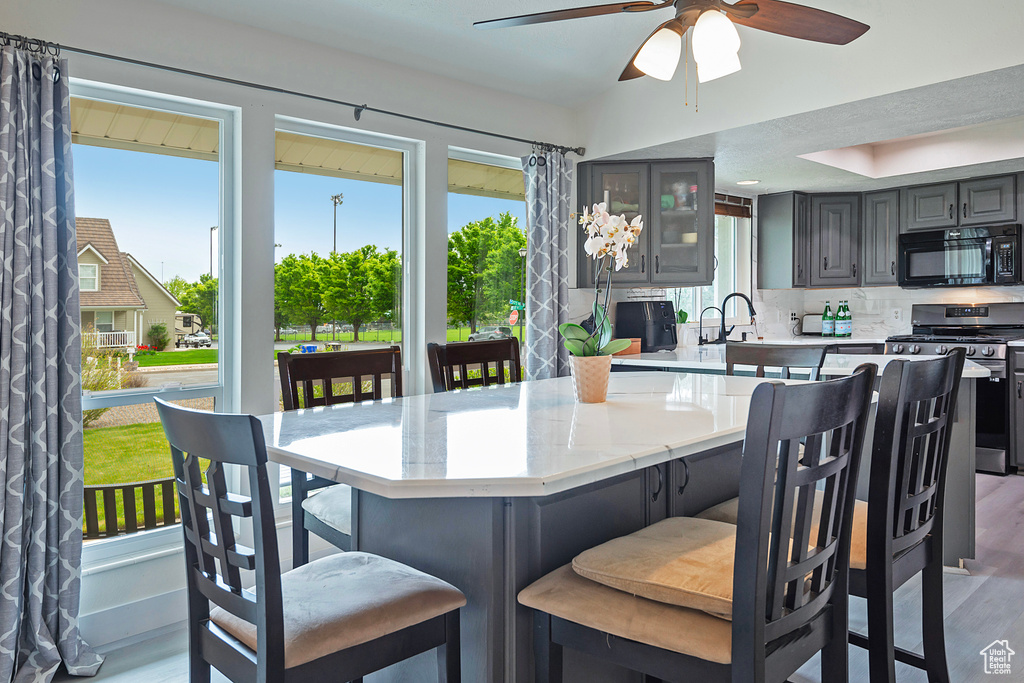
(358, 109)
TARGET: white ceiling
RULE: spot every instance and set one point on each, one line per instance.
(893, 82)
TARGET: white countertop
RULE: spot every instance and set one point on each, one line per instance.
(711, 358)
(528, 439)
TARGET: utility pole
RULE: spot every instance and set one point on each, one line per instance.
(337, 199)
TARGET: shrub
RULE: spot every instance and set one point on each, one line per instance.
(158, 337)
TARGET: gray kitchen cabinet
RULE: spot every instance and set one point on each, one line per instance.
(881, 231)
(783, 240)
(979, 201)
(699, 482)
(835, 240)
(677, 201)
(930, 207)
(1016, 390)
(988, 200)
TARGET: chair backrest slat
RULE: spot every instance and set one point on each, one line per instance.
(783, 356)
(328, 374)
(795, 511)
(451, 365)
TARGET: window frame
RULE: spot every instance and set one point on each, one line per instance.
(743, 274)
(101, 554)
(95, 277)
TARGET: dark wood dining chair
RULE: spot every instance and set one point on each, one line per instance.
(783, 356)
(451, 364)
(338, 618)
(690, 599)
(317, 379)
(903, 534)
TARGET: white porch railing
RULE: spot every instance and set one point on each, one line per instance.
(106, 340)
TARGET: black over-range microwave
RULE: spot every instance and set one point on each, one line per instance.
(956, 257)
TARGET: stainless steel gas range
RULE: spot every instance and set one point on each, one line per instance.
(984, 330)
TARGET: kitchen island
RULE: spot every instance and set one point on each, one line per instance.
(492, 488)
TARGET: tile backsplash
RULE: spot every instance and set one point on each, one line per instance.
(873, 308)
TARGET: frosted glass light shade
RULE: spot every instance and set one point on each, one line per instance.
(659, 56)
(715, 46)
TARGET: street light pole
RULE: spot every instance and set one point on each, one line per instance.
(212, 228)
(522, 275)
(337, 199)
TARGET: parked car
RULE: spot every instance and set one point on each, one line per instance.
(289, 330)
(491, 332)
(197, 340)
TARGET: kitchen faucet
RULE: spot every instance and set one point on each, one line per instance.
(723, 334)
(701, 339)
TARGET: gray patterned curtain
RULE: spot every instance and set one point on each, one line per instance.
(40, 382)
(548, 207)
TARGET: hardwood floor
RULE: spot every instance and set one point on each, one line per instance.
(983, 604)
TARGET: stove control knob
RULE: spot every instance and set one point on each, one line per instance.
(940, 350)
(897, 348)
(914, 348)
(971, 350)
(987, 351)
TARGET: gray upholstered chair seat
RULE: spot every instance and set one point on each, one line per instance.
(728, 512)
(566, 594)
(333, 506)
(347, 599)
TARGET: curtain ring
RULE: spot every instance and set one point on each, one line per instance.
(533, 160)
(56, 73)
(37, 71)
(541, 161)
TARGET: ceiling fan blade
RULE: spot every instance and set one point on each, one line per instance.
(798, 21)
(574, 13)
(679, 24)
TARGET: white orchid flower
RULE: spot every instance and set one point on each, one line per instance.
(621, 259)
(595, 246)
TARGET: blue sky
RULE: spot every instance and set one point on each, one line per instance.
(162, 207)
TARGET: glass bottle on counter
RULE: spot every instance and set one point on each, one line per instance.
(828, 322)
(840, 325)
(849, 319)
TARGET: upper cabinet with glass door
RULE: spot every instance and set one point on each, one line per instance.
(676, 199)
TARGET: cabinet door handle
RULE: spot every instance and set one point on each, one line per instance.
(642, 262)
(799, 270)
(950, 210)
(657, 263)
(892, 268)
(855, 270)
(661, 483)
(826, 263)
(1018, 389)
(965, 209)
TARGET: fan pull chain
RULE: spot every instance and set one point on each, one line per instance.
(686, 57)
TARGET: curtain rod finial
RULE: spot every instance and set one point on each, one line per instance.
(359, 111)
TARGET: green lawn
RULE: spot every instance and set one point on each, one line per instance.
(121, 455)
(190, 357)
(380, 336)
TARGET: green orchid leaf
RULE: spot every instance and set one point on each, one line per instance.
(614, 346)
(573, 331)
(590, 347)
(575, 347)
(605, 331)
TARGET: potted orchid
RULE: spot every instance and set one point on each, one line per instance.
(608, 241)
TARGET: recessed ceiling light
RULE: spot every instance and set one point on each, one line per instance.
(747, 182)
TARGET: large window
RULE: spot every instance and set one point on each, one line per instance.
(732, 273)
(486, 247)
(148, 196)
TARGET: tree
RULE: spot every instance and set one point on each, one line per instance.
(353, 290)
(201, 299)
(178, 287)
(484, 269)
(298, 289)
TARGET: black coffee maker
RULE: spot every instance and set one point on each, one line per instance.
(654, 322)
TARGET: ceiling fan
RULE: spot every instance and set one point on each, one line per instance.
(715, 41)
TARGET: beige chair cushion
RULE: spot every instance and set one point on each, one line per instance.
(333, 506)
(681, 561)
(729, 512)
(565, 594)
(343, 600)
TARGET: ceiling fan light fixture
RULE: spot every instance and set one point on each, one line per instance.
(716, 45)
(659, 56)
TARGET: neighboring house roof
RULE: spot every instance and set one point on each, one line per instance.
(117, 283)
(134, 262)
